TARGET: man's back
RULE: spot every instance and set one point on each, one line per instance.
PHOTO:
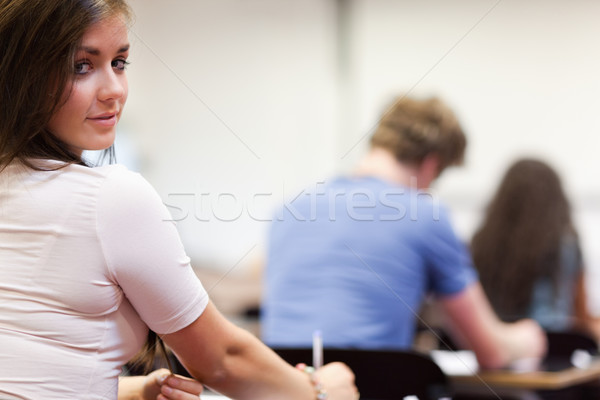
(354, 259)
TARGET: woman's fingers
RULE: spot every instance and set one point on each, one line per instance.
(177, 387)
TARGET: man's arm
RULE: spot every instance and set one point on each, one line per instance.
(474, 325)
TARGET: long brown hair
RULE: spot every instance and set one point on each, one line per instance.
(520, 238)
(38, 40)
(146, 359)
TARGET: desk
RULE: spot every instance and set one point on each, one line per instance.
(466, 378)
(538, 380)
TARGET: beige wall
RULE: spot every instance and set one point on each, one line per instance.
(232, 104)
(523, 76)
(237, 104)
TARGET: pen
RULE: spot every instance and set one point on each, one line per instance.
(317, 349)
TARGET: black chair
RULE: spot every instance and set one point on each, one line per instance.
(564, 343)
(383, 375)
(561, 346)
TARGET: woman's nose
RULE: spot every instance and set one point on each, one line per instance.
(113, 86)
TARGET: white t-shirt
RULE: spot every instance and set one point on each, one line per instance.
(88, 261)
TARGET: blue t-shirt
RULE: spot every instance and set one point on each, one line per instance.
(354, 259)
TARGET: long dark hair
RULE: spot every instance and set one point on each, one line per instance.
(38, 40)
(520, 238)
(146, 359)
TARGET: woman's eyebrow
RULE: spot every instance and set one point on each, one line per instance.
(94, 51)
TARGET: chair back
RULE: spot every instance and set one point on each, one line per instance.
(562, 345)
(383, 375)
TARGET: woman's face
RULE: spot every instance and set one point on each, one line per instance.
(88, 118)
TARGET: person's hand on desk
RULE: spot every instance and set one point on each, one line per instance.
(528, 343)
(338, 381)
(162, 385)
(496, 344)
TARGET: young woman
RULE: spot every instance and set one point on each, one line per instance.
(527, 246)
(87, 262)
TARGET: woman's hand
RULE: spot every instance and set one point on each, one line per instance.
(161, 385)
(338, 380)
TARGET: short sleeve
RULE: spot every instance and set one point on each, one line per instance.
(144, 253)
(450, 268)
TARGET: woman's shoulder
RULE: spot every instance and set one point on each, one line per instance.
(119, 180)
(117, 172)
(123, 189)
(58, 175)
(112, 185)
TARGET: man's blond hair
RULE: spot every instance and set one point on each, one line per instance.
(412, 129)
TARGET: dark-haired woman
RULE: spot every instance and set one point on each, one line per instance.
(88, 262)
(527, 251)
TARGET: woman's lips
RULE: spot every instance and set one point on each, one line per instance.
(104, 119)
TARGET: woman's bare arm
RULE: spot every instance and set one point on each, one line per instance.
(584, 319)
(235, 363)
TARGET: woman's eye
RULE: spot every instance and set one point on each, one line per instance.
(120, 64)
(82, 68)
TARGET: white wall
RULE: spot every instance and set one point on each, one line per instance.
(522, 75)
(263, 96)
(233, 105)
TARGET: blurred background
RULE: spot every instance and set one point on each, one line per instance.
(237, 105)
